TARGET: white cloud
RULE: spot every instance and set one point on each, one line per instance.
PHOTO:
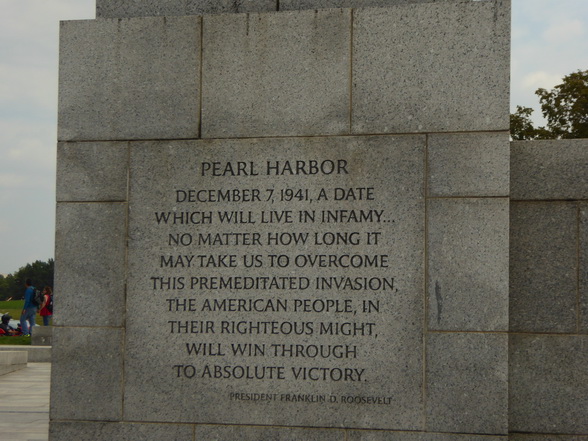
(28, 87)
(28, 144)
(564, 31)
(533, 80)
(12, 180)
(29, 40)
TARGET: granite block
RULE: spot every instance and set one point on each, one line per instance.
(103, 431)
(583, 264)
(197, 326)
(382, 435)
(242, 433)
(431, 67)
(90, 264)
(130, 8)
(468, 264)
(555, 169)
(129, 79)
(467, 383)
(548, 377)
(281, 74)
(92, 171)
(543, 267)
(87, 374)
(145, 8)
(541, 437)
(42, 336)
(317, 4)
(468, 164)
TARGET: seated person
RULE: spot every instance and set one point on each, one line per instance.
(4, 326)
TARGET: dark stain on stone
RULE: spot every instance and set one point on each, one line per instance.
(439, 301)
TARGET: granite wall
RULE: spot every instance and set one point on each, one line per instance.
(548, 354)
(205, 151)
(147, 8)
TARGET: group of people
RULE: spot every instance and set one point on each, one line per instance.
(33, 302)
(30, 308)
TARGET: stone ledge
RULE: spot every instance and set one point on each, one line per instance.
(36, 354)
(41, 336)
(11, 361)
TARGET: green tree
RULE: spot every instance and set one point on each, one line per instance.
(8, 288)
(565, 107)
(41, 273)
(521, 126)
(3, 286)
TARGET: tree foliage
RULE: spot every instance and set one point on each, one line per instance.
(521, 126)
(565, 108)
(41, 273)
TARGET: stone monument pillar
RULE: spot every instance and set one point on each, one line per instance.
(283, 220)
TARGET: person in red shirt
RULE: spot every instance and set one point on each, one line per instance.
(47, 306)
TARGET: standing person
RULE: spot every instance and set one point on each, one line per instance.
(29, 310)
(47, 307)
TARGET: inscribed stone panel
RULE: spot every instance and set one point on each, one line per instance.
(282, 74)
(129, 79)
(431, 67)
(284, 282)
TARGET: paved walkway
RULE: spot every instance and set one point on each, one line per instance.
(24, 403)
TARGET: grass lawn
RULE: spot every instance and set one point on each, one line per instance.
(14, 308)
(18, 340)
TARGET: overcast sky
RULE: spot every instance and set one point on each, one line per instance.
(549, 40)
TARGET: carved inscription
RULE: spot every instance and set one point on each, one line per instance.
(309, 291)
(279, 281)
